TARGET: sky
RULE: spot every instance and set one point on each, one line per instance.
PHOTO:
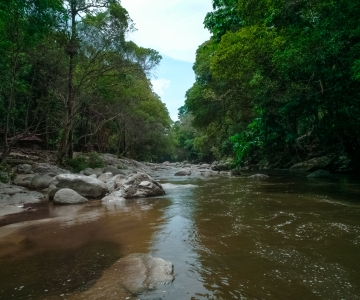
(175, 29)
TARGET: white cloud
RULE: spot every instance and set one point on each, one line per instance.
(160, 85)
(172, 27)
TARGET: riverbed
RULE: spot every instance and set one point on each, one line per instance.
(228, 238)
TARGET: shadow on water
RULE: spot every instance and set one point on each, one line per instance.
(57, 271)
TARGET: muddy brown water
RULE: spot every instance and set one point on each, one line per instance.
(229, 238)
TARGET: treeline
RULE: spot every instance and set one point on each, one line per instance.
(277, 83)
(69, 76)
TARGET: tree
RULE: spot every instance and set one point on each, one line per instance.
(23, 25)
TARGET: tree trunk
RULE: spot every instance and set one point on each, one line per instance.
(66, 143)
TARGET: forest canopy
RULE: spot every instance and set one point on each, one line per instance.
(277, 83)
(70, 76)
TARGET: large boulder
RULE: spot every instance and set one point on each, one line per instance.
(84, 185)
(68, 196)
(40, 182)
(312, 165)
(184, 172)
(144, 272)
(138, 186)
(51, 170)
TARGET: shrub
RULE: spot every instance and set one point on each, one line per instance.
(77, 164)
(81, 162)
(6, 174)
(95, 160)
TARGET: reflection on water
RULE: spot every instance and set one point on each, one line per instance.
(228, 238)
(68, 253)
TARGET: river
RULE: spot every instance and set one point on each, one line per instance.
(284, 237)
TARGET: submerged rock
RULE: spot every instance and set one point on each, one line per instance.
(183, 173)
(319, 174)
(113, 197)
(259, 176)
(145, 272)
(68, 196)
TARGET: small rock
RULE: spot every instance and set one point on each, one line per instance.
(96, 172)
(114, 171)
(24, 169)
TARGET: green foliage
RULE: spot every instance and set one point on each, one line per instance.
(279, 82)
(224, 18)
(95, 160)
(6, 173)
(81, 162)
(78, 163)
(247, 142)
(106, 104)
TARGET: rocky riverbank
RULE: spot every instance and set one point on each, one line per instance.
(38, 181)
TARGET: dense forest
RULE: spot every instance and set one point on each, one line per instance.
(277, 83)
(70, 76)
